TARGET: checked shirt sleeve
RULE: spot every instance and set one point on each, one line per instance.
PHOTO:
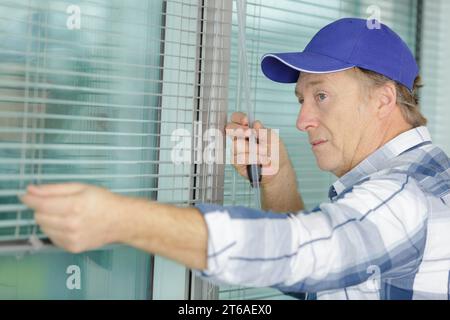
(379, 223)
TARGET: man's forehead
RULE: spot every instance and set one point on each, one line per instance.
(306, 80)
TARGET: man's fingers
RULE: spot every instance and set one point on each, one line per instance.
(239, 118)
(56, 236)
(258, 125)
(236, 130)
(55, 189)
(265, 135)
(232, 129)
(246, 159)
(240, 145)
(48, 205)
(49, 221)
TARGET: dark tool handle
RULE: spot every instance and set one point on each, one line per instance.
(251, 178)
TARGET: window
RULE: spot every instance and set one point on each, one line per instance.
(92, 91)
(79, 105)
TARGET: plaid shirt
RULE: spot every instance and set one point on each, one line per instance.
(384, 234)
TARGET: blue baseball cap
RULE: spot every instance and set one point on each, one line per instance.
(344, 44)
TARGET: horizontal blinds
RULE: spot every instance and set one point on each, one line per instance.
(194, 92)
(435, 69)
(57, 85)
(80, 105)
(286, 25)
(101, 103)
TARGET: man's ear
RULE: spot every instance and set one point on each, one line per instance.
(387, 99)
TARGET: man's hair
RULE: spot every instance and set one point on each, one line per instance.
(406, 99)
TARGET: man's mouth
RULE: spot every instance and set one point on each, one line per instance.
(318, 142)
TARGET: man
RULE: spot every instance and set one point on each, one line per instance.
(384, 233)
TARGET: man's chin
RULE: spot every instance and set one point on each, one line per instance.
(325, 165)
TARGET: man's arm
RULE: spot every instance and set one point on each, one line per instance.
(281, 194)
(81, 217)
(379, 225)
(176, 233)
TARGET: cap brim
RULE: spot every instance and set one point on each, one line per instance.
(286, 67)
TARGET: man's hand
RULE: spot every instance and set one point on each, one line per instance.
(268, 144)
(80, 217)
(278, 183)
(75, 216)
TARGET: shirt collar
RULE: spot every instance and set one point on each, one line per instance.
(377, 160)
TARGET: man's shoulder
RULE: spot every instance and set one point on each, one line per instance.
(428, 159)
(383, 185)
(427, 167)
(396, 193)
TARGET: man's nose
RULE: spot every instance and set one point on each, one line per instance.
(306, 118)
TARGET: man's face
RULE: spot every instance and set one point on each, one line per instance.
(336, 119)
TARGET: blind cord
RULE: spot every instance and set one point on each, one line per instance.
(253, 170)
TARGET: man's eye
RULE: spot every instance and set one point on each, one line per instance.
(300, 101)
(321, 96)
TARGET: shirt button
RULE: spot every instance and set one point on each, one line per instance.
(332, 193)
